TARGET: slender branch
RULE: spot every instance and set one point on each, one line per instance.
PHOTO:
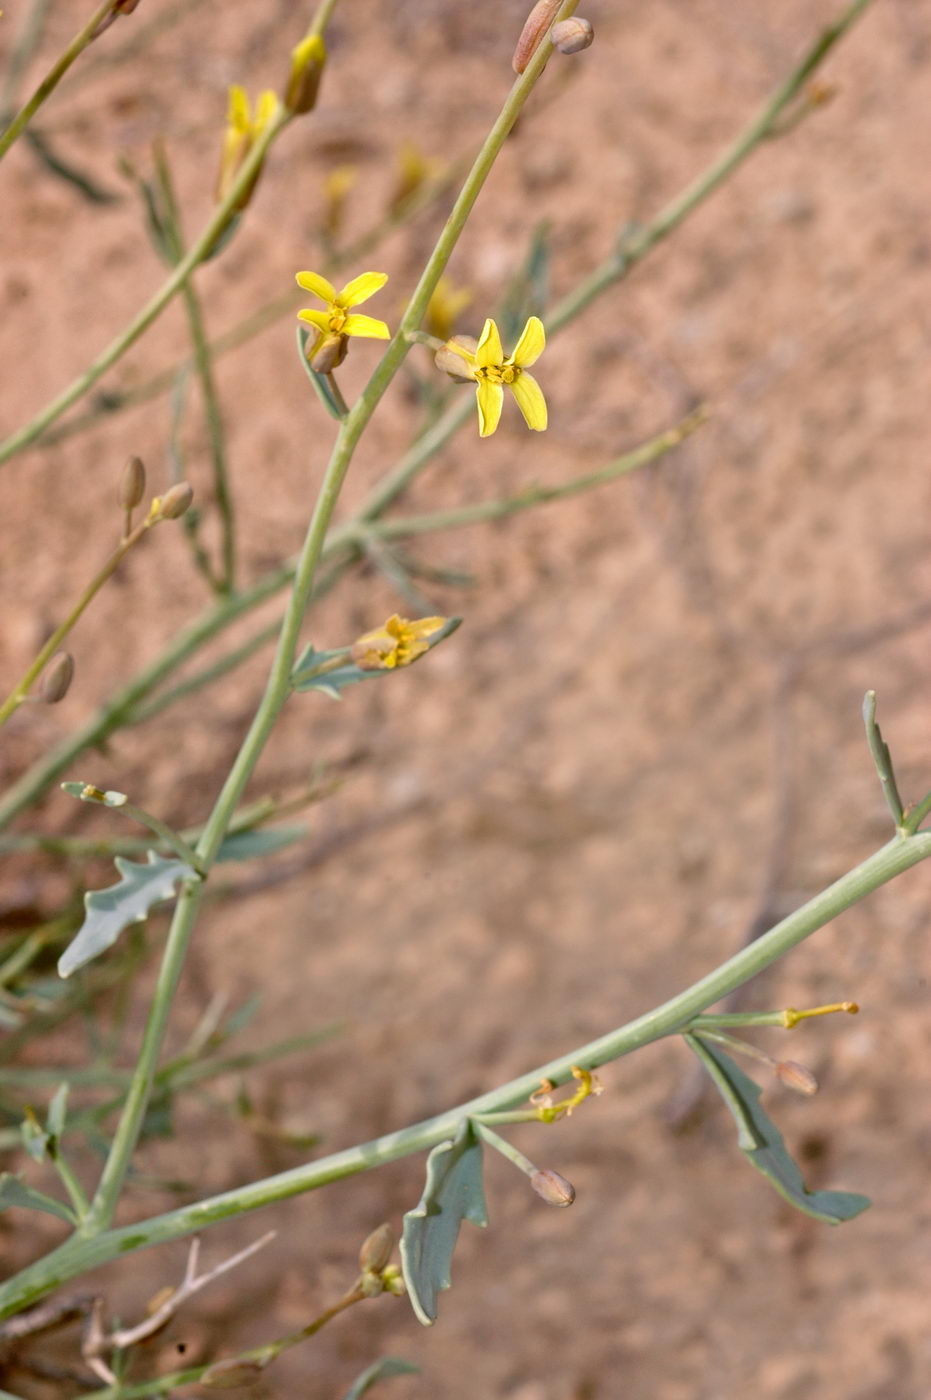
(76, 1255)
(210, 624)
(216, 225)
(54, 76)
(28, 38)
(202, 361)
(278, 685)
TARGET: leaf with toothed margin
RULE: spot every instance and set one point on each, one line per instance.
(109, 911)
(378, 1372)
(761, 1141)
(453, 1193)
(14, 1192)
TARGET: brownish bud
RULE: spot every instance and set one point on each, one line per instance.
(536, 25)
(175, 502)
(796, 1077)
(453, 364)
(307, 64)
(377, 1250)
(58, 676)
(572, 35)
(224, 1375)
(132, 483)
(330, 354)
(554, 1189)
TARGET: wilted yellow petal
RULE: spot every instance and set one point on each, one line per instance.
(530, 401)
(366, 326)
(490, 399)
(319, 286)
(424, 626)
(361, 288)
(488, 350)
(531, 344)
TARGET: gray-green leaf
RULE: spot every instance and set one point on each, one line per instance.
(244, 845)
(453, 1193)
(761, 1141)
(378, 1372)
(109, 911)
(15, 1192)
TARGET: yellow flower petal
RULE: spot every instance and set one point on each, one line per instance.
(319, 286)
(489, 351)
(530, 400)
(361, 288)
(320, 319)
(531, 344)
(367, 326)
(238, 111)
(265, 109)
(425, 626)
(490, 398)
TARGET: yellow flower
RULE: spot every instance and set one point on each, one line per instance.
(397, 643)
(337, 320)
(242, 131)
(492, 371)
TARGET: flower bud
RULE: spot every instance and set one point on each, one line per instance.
(174, 503)
(377, 1250)
(796, 1077)
(307, 63)
(329, 354)
(132, 483)
(454, 364)
(572, 35)
(554, 1189)
(535, 26)
(58, 676)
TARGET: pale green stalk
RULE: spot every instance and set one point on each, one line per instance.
(156, 304)
(277, 687)
(53, 764)
(21, 690)
(216, 436)
(54, 76)
(76, 1256)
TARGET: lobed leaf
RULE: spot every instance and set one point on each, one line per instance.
(109, 911)
(761, 1141)
(453, 1193)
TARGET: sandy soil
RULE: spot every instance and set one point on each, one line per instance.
(649, 723)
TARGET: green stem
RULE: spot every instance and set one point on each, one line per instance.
(642, 241)
(506, 1149)
(278, 686)
(36, 779)
(204, 367)
(27, 41)
(71, 1184)
(156, 304)
(21, 690)
(54, 76)
(77, 1256)
(173, 839)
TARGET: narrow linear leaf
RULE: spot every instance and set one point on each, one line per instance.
(109, 911)
(453, 1193)
(245, 845)
(379, 1372)
(55, 1122)
(762, 1143)
(15, 1192)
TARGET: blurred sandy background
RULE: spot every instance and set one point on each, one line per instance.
(648, 724)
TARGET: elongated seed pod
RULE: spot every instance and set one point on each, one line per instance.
(537, 23)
